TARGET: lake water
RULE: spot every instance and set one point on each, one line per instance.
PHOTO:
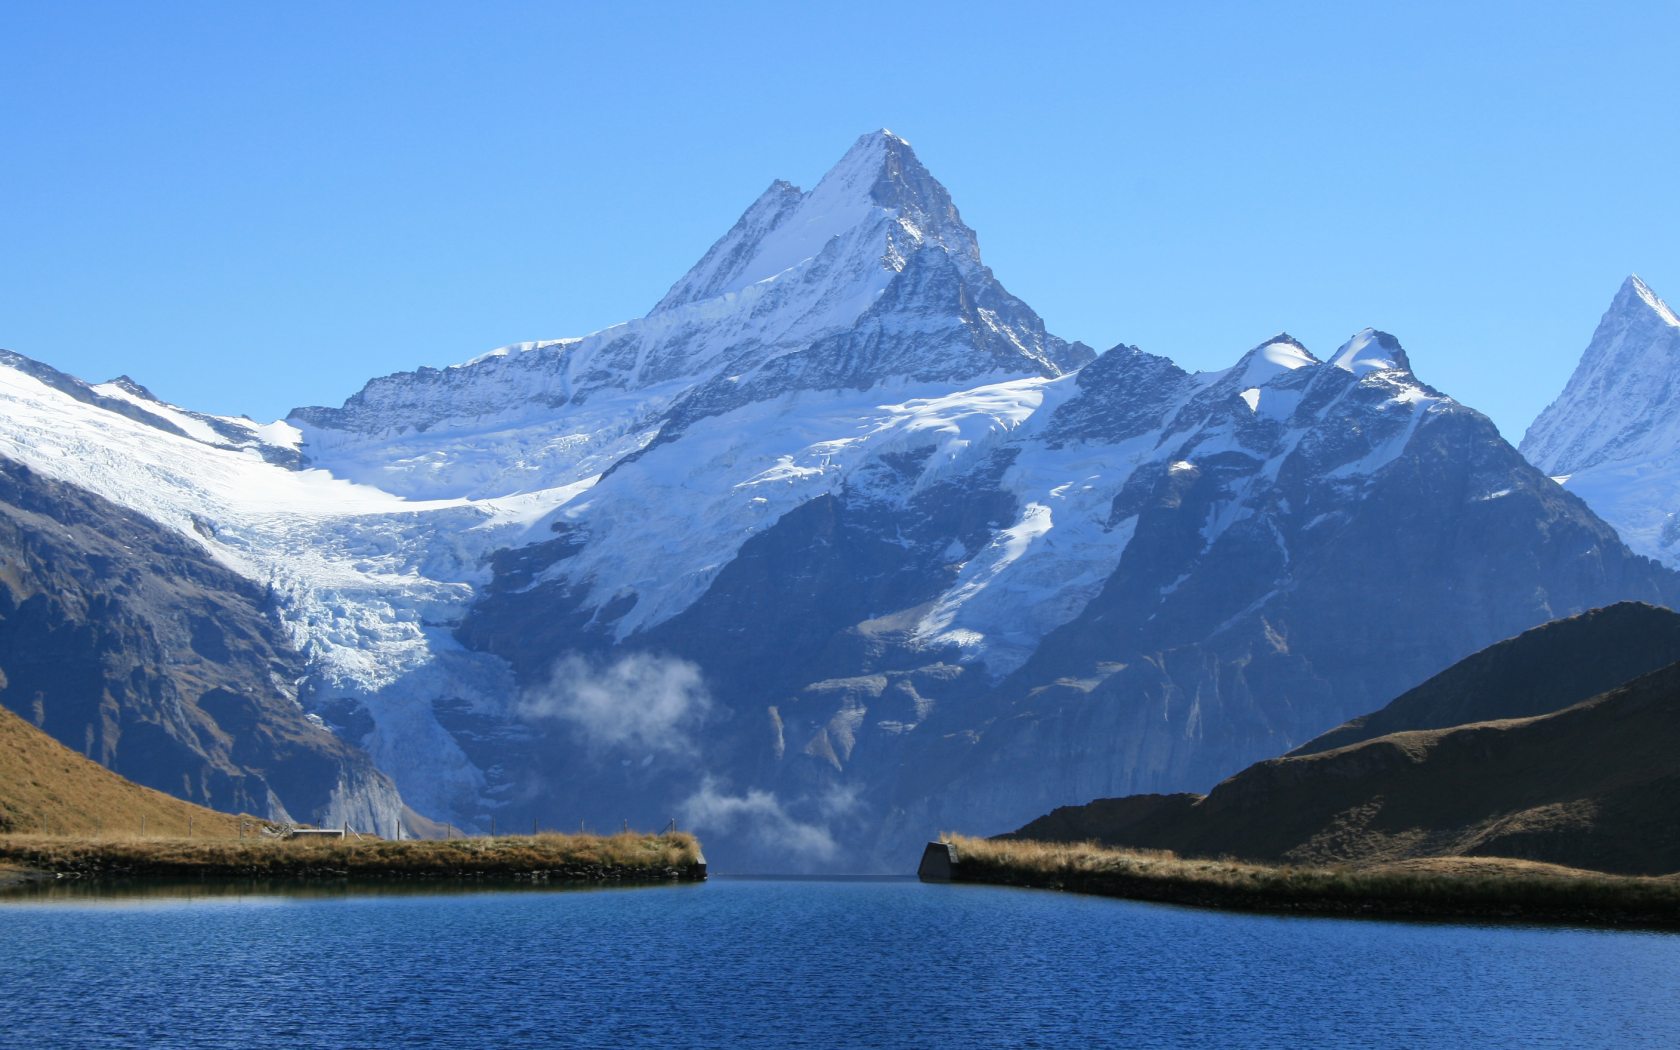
(798, 963)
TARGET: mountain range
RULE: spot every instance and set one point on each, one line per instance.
(835, 547)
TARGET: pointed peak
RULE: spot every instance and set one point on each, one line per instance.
(878, 190)
(1635, 294)
(884, 168)
(881, 138)
(1284, 339)
(1371, 351)
(128, 384)
(1282, 348)
(1277, 356)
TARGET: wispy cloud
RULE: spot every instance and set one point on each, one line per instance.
(759, 815)
(641, 701)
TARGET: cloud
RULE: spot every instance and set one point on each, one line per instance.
(642, 701)
(761, 816)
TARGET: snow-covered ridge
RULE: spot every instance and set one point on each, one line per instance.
(658, 531)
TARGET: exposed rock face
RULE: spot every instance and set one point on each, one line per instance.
(838, 546)
(123, 640)
(1613, 436)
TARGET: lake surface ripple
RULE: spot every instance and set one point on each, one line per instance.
(799, 963)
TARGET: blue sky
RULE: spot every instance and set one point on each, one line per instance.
(249, 207)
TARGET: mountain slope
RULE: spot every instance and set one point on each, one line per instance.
(1552, 667)
(1281, 575)
(1592, 786)
(122, 638)
(1613, 436)
(47, 788)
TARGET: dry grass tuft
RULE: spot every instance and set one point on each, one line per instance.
(1455, 887)
(563, 857)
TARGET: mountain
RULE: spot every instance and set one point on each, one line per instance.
(121, 638)
(47, 788)
(1552, 667)
(1591, 786)
(1613, 436)
(838, 545)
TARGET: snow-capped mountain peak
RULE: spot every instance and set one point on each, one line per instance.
(878, 190)
(1371, 351)
(869, 278)
(1612, 436)
(1623, 400)
(1634, 288)
(1276, 356)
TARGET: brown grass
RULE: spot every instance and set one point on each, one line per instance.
(589, 858)
(1454, 887)
(46, 787)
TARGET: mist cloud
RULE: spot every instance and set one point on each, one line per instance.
(760, 815)
(641, 701)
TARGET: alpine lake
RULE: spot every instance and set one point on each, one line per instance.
(791, 962)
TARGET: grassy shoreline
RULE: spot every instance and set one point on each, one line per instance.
(621, 858)
(1457, 888)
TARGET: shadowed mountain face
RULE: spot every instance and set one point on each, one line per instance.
(1593, 785)
(838, 546)
(1538, 672)
(124, 641)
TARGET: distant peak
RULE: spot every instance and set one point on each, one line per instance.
(1637, 295)
(884, 167)
(881, 137)
(878, 187)
(1283, 346)
(1276, 356)
(134, 388)
(1371, 351)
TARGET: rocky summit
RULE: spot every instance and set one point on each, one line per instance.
(836, 547)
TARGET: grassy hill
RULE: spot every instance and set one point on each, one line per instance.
(47, 788)
(1549, 668)
(1594, 786)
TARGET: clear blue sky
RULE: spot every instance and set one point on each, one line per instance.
(254, 206)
